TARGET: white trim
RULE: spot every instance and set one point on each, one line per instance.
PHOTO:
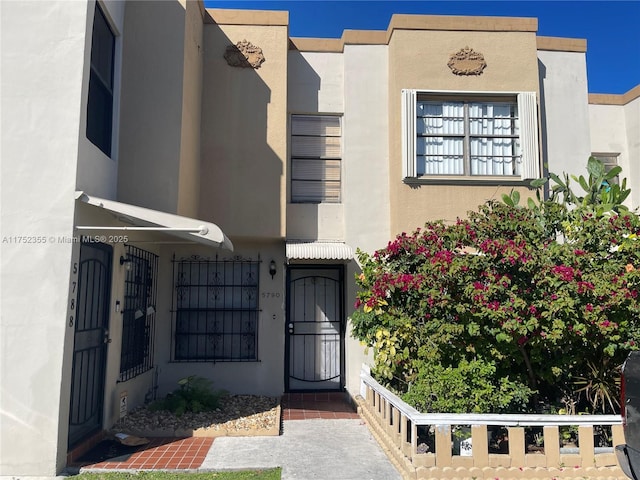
(409, 133)
(529, 146)
(141, 219)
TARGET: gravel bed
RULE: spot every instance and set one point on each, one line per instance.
(237, 415)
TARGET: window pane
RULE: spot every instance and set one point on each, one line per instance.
(316, 147)
(492, 119)
(315, 191)
(102, 47)
(306, 169)
(315, 125)
(495, 156)
(440, 156)
(440, 118)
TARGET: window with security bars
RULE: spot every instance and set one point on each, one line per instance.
(316, 158)
(216, 312)
(139, 313)
(461, 135)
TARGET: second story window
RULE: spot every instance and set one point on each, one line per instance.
(100, 100)
(465, 136)
(316, 153)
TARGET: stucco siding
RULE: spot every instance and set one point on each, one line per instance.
(262, 377)
(565, 115)
(316, 85)
(152, 104)
(418, 60)
(316, 82)
(366, 171)
(97, 173)
(43, 58)
(632, 117)
(190, 141)
(244, 133)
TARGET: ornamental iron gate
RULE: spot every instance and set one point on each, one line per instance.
(90, 341)
(315, 327)
(139, 314)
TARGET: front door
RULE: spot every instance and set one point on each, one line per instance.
(90, 341)
(315, 329)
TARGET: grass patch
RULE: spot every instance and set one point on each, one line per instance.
(270, 474)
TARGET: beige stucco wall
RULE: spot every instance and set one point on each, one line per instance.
(43, 59)
(244, 126)
(152, 105)
(418, 60)
(189, 169)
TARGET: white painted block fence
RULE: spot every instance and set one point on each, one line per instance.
(396, 425)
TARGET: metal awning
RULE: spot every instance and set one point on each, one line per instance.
(300, 250)
(146, 219)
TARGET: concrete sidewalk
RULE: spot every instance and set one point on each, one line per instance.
(307, 450)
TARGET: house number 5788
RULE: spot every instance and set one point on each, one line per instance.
(72, 294)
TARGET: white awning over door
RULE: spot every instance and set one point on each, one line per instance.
(146, 219)
(299, 250)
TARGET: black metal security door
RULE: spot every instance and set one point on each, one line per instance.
(90, 340)
(315, 326)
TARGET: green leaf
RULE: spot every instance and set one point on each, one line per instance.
(538, 182)
(613, 172)
(595, 167)
(556, 179)
(507, 200)
(583, 183)
(515, 195)
(531, 204)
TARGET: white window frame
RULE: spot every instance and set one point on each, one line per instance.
(529, 144)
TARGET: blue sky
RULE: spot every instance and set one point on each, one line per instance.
(612, 28)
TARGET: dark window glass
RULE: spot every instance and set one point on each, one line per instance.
(100, 102)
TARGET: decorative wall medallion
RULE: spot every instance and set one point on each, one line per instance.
(244, 54)
(467, 62)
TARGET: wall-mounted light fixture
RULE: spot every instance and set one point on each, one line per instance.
(272, 268)
(126, 262)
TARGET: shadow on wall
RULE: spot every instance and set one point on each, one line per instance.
(542, 74)
(243, 132)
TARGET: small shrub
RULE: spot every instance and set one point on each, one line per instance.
(194, 394)
(472, 386)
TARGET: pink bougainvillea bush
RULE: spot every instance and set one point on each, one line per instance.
(511, 309)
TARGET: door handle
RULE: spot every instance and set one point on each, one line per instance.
(291, 328)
